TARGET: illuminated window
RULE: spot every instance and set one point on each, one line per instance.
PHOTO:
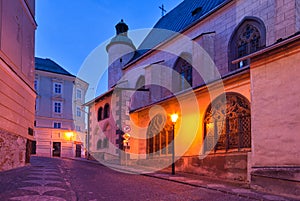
(159, 137)
(227, 123)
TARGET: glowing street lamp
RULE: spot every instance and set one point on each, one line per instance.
(174, 118)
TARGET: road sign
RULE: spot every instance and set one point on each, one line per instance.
(126, 136)
(126, 129)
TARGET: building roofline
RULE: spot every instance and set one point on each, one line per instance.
(98, 98)
(175, 35)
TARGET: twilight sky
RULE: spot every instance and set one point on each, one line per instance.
(68, 31)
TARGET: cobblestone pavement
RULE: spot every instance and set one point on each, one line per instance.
(65, 179)
(42, 180)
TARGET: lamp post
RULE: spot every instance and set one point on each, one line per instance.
(174, 118)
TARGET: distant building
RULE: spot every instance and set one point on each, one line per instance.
(60, 128)
(17, 39)
(231, 74)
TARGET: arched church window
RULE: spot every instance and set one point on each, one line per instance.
(227, 123)
(159, 137)
(184, 78)
(99, 115)
(99, 144)
(106, 111)
(140, 84)
(248, 37)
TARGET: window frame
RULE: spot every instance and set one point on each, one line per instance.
(106, 111)
(233, 53)
(226, 132)
(100, 114)
(78, 95)
(78, 112)
(57, 107)
(183, 79)
(57, 88)
(57, 125)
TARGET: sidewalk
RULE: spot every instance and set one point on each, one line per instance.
(234, 188)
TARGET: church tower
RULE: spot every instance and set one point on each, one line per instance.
(120, 51)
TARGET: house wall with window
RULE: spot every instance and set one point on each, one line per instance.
(17, 39)
(103, 136)
(58, 110)
(55, 93)
(80, 114)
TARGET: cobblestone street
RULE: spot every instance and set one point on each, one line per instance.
(65, 179)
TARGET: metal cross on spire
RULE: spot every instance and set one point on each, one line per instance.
(162, 10)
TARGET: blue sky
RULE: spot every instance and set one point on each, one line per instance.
(69, 30)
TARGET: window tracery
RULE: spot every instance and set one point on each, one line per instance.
(227, 124)
(249, 37)
(159, 137)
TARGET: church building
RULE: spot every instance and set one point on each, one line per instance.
(227, 69)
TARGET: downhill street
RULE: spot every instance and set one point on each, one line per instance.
(66, 179)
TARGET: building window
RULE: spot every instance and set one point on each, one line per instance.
(184, 78)
(159, 137)
(57, 88)
(105, 143)
(99, 116)
(78, 128)
(99, 144)
(106, 111)
(227, 124)
(56, 125)
(249, 37)
(78, 112)
(57, 107)
(35, 85)
(78, 94)
(140, 84)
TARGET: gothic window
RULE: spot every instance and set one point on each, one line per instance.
(105, 143)
(140, 84)
(227, 123)
(99, 144)
(106, 111)
(99, 115)
(249, 37)
(159, 137)
(184, 78)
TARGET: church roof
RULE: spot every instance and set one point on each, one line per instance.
(50, 66)
(177, 20)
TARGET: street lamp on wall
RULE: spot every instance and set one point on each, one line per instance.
(69, 135)
(174, 118)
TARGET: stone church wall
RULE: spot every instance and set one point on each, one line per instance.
(12, 149)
